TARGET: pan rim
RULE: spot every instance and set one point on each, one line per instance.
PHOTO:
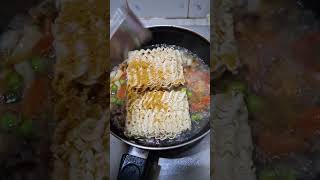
(162, 147)
(181, 28)
(178, 145)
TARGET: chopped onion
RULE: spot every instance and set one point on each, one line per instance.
(112, 74)
(189, 61)
(118, 84)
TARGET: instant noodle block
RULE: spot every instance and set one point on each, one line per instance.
(155, 68)
(158, 114)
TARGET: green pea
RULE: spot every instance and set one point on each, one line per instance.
(114, 87)
(26, 129)
(189, 93)
(254, 103)
(237, 86)
(8, 121)
(113, 99)
(119, 102)
(14, 81)
(38, 64)
(196, 117)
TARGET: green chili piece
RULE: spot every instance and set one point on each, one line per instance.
(114, 87)
(196, 117)
(189, 93)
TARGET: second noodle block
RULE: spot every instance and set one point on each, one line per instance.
(157, 114)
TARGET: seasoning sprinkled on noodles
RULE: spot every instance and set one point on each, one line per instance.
(155, 68)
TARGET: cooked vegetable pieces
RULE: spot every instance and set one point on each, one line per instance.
(122, 81)
(14, 81)
(237, 86)
(196, 117)
(280, 173)
(184, 89)
(26, 129)
(254, 103)
(114, 87)
(113, 99)
(38, 64)
(119, 102)
(8, 121)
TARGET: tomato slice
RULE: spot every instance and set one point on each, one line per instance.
(121, 93)
(43, 45)
(206, 100)
(201, 105)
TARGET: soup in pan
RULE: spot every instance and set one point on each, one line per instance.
(160, 93)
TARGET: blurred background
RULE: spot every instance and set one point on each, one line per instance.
(173, 9)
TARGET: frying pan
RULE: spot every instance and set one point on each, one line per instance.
(132, 165)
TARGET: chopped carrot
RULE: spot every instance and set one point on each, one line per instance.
(35, 97)
(201, 105)
(45, 42)
(47, 26)
(196, 107)
(121, 92)
(206, 100)
(198, 75)
(43, 45)
(206, 77)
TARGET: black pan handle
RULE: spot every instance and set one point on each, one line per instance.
(132, 165)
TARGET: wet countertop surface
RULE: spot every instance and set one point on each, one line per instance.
(188, 163)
